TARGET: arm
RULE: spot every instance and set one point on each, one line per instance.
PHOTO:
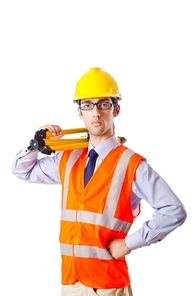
(169, 212)
(28, 167)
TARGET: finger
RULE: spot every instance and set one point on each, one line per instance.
(54, 129)
(57, 131)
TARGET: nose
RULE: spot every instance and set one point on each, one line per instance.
(95, 111)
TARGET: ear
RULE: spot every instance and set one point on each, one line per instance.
(116, 110)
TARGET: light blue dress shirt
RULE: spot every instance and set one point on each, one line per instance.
(169, 212)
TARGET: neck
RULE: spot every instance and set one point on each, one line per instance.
(96, 140)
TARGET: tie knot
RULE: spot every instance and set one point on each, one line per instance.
(92, 154)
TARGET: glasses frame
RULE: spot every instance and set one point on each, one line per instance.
(96, 104)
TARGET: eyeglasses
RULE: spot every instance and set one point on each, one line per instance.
(100, 105)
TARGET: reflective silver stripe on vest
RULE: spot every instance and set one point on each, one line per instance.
(66, 249)
(75, 154)
(95, 219)
(85, 251)
(116, 184)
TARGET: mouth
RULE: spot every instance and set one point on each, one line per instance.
(96, 123)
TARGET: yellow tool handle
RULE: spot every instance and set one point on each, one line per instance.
(68, 132)
(64, 141)
(69, 146)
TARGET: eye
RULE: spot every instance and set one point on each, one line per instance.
(105, 105)
(86, 106)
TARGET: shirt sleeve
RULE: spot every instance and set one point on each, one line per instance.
(169, 212)
(29, 167)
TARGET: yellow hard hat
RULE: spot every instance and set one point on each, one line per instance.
(96, 83)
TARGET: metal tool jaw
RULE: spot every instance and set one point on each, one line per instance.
(38, 143)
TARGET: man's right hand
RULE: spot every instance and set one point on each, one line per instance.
(54, 129)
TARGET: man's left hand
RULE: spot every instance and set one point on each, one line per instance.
(118, 248)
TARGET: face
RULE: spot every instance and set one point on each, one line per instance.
(99, 122)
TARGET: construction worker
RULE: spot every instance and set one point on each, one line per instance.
(98, 210)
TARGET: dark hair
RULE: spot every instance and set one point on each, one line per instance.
(114, 101)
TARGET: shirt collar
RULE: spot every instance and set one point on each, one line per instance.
(105, 147)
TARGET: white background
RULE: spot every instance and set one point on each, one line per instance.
(149, 47)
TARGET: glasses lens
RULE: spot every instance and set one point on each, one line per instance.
(104, 105)
(86, 106)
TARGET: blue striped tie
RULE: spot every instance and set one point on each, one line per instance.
(90, 166)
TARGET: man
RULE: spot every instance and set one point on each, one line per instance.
(97, 213)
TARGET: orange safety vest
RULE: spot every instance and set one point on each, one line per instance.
(93, 216)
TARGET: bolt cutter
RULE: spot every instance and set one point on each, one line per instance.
(46, 144)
